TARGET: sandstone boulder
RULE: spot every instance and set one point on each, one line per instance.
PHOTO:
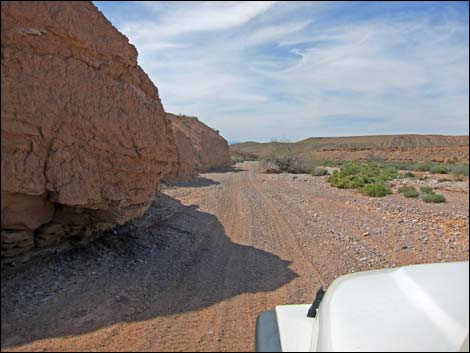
(199, 148)
(84, 137)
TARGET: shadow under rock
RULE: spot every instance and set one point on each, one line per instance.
(196, 182)
(158, 265)
(229, 169)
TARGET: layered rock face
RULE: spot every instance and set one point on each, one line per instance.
(84, 137)
(199, 148)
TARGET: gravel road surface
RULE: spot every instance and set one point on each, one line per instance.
(211, 254)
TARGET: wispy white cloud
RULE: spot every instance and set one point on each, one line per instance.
(258, 70)
(178, 19)
(275, 32)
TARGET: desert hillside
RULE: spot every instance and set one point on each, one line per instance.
(437, 148)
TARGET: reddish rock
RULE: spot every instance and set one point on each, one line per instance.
(84, 138)
(199, 148)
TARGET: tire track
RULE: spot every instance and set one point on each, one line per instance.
(283, 228)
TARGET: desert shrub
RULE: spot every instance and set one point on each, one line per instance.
(411, 194)
(459, 177)
(459, 170)
(330, 163)
(409, 191)
(409, 174)
(439, 169)
(427, 190)
(319, 171)
(238, 157)
(376, 190)
(357, 175)
(288, 164)
(373, 157)
(423, 167)
(434, 167)
(433, 198)
(271, 168)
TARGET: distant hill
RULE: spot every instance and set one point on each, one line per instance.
(392, 147)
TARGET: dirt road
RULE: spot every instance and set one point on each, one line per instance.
(210, 255)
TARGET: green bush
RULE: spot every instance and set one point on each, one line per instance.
(319, 171)
(433, 198)
(423, 167)
(328, 163)
(434, 167)
(357, 175)
(411, 194)
(409, 191)
(439, 169)
(376, 190)
(427, 190)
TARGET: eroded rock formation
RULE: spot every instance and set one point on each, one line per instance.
(199, 148)
(84, 137)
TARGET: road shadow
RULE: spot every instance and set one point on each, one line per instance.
(197, 182)
(203, 180)
(229, 169)
(175, 259)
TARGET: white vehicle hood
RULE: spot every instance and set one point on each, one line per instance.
(413, 308)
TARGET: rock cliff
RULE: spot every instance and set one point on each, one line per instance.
(84, 137)
(199, 148)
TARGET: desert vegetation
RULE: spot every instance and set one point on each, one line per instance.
(433, 197)
(293, 165)
(430, 196)
(240, 157)
(455, 169)
(427, 194)
(409, 169)
(409, 191)
(287, 164)
(370, 178)
(319, 171)
(376, 190)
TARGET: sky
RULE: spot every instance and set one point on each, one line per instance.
(259, 71)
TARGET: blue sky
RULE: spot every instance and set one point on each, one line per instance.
(290, 70)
